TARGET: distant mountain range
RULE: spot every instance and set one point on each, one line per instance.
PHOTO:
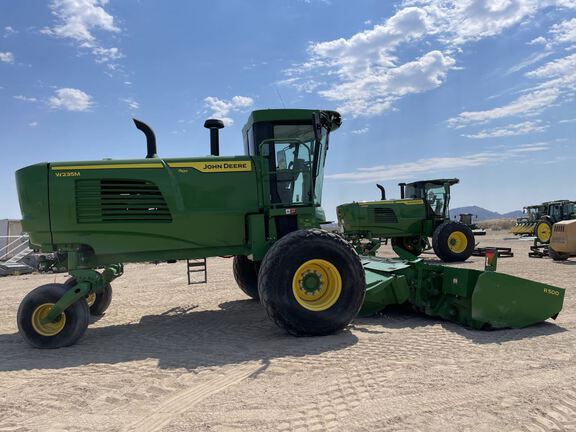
(483, 214)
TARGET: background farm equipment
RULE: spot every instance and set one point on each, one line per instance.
(263, 208)
(420, 213)
(526, 224)
(468, 219)
(562, 243)
(539, 219)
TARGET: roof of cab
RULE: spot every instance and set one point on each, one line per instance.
(304, 115)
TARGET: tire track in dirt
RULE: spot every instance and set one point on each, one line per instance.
(411, 404)
(184, 400)
(559, 416)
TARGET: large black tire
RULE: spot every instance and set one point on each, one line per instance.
(543, 231)
(311, 283)
(412, 245)
(97, 302)
(558, 256)
(65, 331)
(453, 241)
(246, 275)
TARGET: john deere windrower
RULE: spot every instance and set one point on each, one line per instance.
(421, 212)
(263, 208)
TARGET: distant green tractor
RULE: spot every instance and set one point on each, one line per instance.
(526, 224)
(555, 211)
(421, 212)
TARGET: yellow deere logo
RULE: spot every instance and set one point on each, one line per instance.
(216, 166)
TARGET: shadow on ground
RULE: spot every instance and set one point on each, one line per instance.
(401, 318)
(179, 338)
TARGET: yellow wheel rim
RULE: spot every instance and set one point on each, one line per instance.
(457, 242)
(317, 285)
(90, 299)
(543, 232)
(49, 328)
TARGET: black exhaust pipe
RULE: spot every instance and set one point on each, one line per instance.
(382, 190)
(402, 189)
(150, 138)
(214, 125)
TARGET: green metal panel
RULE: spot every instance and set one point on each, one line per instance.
(507, 301)
(123, 209)
(394, 218)
(32, 186)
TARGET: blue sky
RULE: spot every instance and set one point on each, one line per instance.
(480, 90)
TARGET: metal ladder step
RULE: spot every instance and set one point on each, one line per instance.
(16, 258)
(197, 271)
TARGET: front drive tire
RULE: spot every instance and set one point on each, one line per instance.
(453, 241)
(311, 283)
(65, 331)
(246, 275)
(543, 231)
(412, 245)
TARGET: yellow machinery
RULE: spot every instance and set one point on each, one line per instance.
(563, 240)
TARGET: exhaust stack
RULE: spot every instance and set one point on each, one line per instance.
(214, 125)
(150, 138)
(382, 192)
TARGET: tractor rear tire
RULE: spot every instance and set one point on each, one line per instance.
(97, 302)
(65, 331)
(558, 256)
(311, 283)
(412, 245)
(453, 241)
(246, 275)
(543, 231)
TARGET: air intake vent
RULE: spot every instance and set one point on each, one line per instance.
(558, 228)
(384, 215)
(120, 201)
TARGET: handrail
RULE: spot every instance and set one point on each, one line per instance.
(19, 239)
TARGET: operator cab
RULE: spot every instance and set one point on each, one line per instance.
(294, 141)
(435, 193)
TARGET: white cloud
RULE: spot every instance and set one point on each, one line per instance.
(6, 57)
(360, 131)
(104, 55)
(510, 130)
(71, 99)
(533, 58)
(363, 72)
(564, 32)
(371, 48)
(9, 31)
(462, 21)
(529, 104)
(222, 108)
(374, 93)
(562, 67)
(25, 98)
(132, 104)
(33, 124)
(78, 19)
(573, 120)
(418, 168)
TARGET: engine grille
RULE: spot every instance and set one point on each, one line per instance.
(384, 215)
(120, 201)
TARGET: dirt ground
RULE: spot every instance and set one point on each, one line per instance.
(172, 357)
